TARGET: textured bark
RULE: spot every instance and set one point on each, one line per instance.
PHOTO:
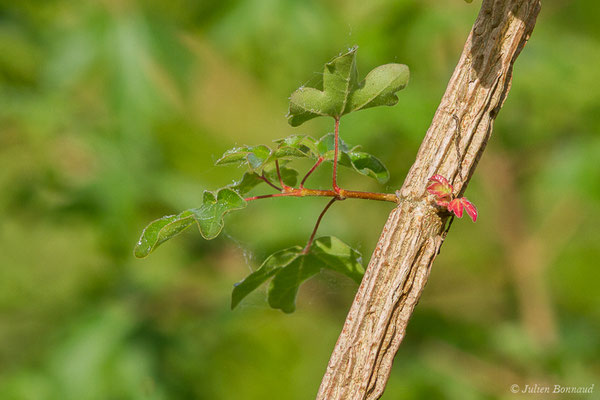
(399, 268)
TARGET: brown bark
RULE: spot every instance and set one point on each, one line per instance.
(399, 268)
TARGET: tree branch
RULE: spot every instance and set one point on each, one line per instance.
(399, 268)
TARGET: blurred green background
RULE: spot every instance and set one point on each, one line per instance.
(112, 113)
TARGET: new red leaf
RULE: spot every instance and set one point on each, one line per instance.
(456, 207)
(469, 208)
(441, 188)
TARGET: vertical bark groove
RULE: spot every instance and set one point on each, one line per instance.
(413, 234)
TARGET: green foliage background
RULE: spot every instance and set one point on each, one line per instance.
(112, 113)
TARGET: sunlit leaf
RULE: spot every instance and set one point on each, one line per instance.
(379, 87)
(161, 230)
(342, 93)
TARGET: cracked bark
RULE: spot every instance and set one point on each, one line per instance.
(399, 268)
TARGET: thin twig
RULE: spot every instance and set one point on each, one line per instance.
(283, 185)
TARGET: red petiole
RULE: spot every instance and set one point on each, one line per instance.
(335, 157)
(314, 232)
(319, 161)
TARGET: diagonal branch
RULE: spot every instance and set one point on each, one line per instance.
(399, 268)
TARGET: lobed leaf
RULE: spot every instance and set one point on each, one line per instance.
(161, 230)
(456, 207)
(379, 87)
(289, 176)
(338, 256)
(365, 164)
(248, 182)
(298, 146)
(470, 208)
(269, 267)
(283, 289)
(440, 188)
(342, 93)
(253, 156)
(291, 267)
(209, 216)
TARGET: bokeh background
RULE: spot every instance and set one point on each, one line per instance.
(112, 113)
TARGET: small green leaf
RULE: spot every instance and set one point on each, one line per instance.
(209, 216)
(161, 230)
(305, 145)
(247, 183)
(254, 156)
(338, 256)
(291, 267)
(269, 267)
(326, 146)
(365, 164)
(289, 176)
(342, 93)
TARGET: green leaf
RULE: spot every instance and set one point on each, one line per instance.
(291, 267)
(339, 79)
(338, 256)
(326, 146)
(161, 230)
(365, 164)
(209, 216)
(247, 183)
(269, 267)
(254, 156)
(283, 289)
(304, 146)
(379, 87)
(342, 93)
(251, 179)
(289, 176)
